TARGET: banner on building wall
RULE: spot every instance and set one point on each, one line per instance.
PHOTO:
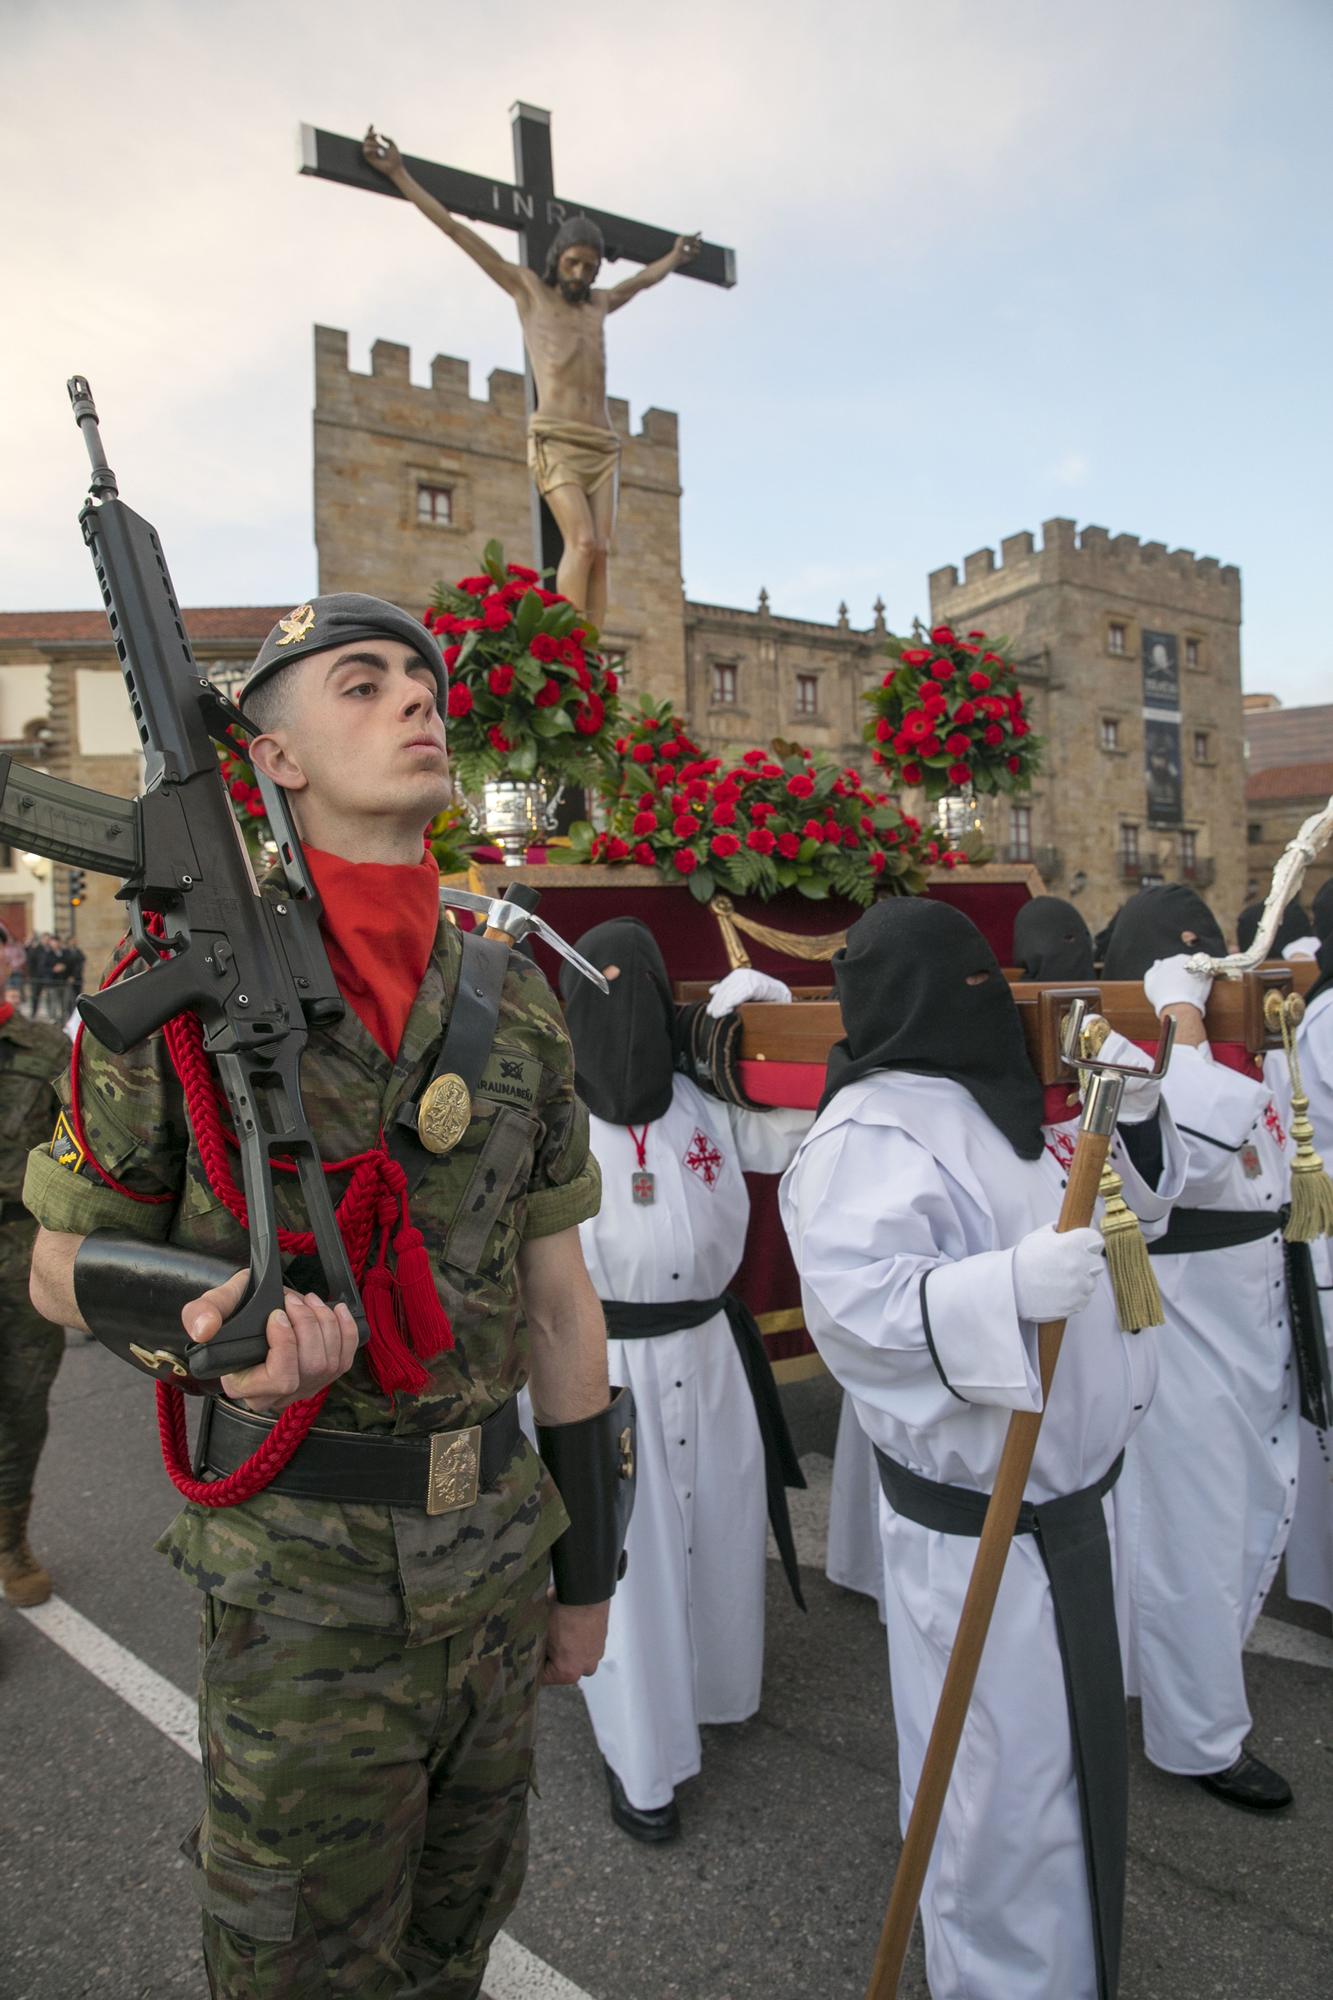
(1161, 728)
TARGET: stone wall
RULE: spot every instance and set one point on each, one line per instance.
(1076, 608)
(379, 438)
(768, 652)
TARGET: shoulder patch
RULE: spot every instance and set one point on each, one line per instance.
(511, 1076)
(65, 1149)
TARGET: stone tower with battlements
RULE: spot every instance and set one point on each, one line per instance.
(411, 482)
(1132, 656)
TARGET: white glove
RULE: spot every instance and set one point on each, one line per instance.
(1055, 1276)
(740, 986)
(1306, 947)
(1139, 1099)
(1167, 983)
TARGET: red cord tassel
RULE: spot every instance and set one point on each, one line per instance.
(425, 1321)
(390, 1361)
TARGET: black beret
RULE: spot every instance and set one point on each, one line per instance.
(338, 620)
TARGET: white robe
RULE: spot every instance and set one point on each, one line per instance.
(855, 1557)
(904, 1175)
(1204, 1506)
(686, 1639)
(1310, 1547)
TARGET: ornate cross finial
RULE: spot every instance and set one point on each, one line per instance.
(879, 616)
(763, 601)
(843, 621)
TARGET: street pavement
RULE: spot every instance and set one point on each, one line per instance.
(775, 1891)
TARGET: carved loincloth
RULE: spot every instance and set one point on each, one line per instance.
(561, 453)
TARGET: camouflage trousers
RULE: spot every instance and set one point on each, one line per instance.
(30, 1353)
(366, 1821)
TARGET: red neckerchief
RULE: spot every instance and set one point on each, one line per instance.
(379, 926)
(6, 1012)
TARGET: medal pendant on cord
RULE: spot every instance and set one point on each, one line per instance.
(643, 1183)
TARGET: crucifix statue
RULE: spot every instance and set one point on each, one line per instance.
(573, 451)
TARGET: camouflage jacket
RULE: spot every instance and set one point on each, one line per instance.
(522, 1170)
(32, 1053)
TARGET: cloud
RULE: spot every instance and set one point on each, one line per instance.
(1071, 470)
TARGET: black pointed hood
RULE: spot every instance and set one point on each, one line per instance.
(623, 1040)
(1051, 940)
(902, 982)
(1153, 924)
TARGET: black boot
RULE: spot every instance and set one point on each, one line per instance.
(651, 1823)
(1249, 1784)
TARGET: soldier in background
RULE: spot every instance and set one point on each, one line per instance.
(31, 1052)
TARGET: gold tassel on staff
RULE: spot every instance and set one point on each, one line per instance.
(1138, 1302)
(1311, 1190)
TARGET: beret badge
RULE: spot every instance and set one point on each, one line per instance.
(296, 625)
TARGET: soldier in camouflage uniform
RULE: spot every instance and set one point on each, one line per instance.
(30, 1348)
(369, 1672)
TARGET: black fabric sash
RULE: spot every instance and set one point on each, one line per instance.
(1074, 1545)
(1195, 1230)
(782, 1468)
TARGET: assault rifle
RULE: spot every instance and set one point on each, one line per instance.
(252, 967)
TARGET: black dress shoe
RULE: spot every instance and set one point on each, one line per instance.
(648, 1823)
(1249, 1784)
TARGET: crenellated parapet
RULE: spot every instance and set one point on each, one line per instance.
(1094, 559)
(444, 411)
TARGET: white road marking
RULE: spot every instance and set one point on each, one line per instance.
(514, 1972)
(1274, 1638)
(159, 1701)
(1281, 1641)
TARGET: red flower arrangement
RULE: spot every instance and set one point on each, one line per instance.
(529, 694)
(776, 819)
(950, 714)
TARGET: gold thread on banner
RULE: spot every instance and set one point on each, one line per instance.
(1138, 1302)
(792, 944)
(1311, 1191)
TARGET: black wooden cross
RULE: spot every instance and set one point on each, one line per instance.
(529, 207)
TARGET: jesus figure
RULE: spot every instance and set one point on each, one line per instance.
(573, 452)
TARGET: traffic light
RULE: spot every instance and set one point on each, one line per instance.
(78, 887)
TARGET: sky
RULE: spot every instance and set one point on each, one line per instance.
(996, 263)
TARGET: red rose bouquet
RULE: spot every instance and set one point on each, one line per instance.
(529, 695)
(776, 819)
(949, 715)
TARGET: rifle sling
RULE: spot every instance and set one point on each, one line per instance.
(464, 1046)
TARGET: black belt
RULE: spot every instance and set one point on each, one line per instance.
(435, 1474)
(1075, 1548)
(1192, 1231)
(782, 1468)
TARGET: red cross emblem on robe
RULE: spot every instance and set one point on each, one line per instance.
(1274, 1123)
(703, 1158)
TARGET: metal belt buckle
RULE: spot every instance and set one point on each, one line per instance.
(455, 1470)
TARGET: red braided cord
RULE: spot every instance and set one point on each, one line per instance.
(357, 1213)
(265, 1462)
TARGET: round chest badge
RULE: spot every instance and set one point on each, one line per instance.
(444, 1114)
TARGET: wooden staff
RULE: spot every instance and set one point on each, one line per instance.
(1103, 1085)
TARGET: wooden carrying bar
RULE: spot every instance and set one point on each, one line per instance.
(805, 1031)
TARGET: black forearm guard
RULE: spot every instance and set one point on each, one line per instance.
(592, 1464)
(130, 1293)
(708, 1051)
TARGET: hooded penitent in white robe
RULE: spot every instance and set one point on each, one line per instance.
(1310, 1545)
(904, 1177)
(686, 1639)
(1204, 1506)
(855, 1556)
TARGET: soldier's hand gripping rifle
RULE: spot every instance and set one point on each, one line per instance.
(253, 968)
